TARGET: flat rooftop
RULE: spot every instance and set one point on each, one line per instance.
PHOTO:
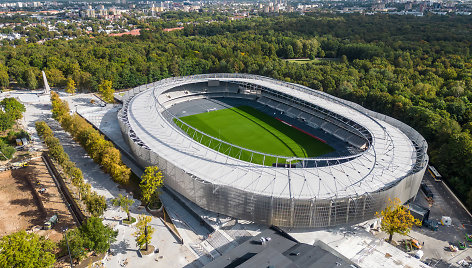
(281, 251)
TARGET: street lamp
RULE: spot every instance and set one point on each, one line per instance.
(68, 249)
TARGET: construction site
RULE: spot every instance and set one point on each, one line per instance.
(31, 201)
(31, 197)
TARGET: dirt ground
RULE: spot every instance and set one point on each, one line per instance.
(20, 210)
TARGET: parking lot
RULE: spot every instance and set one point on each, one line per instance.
(436, 245)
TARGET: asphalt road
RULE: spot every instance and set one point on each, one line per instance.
(445, 204)
(436, 242)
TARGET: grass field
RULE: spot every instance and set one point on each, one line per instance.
(252, 129)
(315, 61)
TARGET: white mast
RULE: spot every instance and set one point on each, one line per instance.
(46, 85)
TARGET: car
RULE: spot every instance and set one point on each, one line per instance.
(426, 190)
(416, 244)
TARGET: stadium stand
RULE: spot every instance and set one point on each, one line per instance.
(388, 157)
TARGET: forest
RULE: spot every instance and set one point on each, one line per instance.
(416, 69)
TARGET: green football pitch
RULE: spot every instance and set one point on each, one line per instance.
(250, 128)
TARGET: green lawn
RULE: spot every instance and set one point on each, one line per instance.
(317, 60)
(252, 129)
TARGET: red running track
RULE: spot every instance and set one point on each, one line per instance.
(323, 141)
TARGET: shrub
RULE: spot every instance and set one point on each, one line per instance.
(7, 151)
(43, 129)
(96, 204)
(6, 121)
(12, 136)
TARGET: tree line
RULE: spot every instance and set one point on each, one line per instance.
(95, 203)
(100, 150)
(22, 249)
(416, 69)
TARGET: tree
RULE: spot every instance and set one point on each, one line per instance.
(289, 52)
(6, 121)
(396, 218)
(150, 181)
(97, 235)
(43, 129)
(144, 233)
(21, 249)
(76, 243)
(96, 204)
(30, 78)
(120, 173)
(93, 235)
(13, 107)
(59, 108)
(76, 175)
(4, 78)
(297, 48)
(55, 77)
(70, 86)
(107, 90)
(124, 203)
(6, 150)
(55, 149)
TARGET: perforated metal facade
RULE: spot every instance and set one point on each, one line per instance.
(328, 192)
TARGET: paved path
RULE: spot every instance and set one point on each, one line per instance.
(171, 253)
(188, 226)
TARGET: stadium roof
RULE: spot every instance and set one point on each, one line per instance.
(390, 157)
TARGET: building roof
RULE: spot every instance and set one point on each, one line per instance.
(132, 32)
(281, 251)
(390, 157)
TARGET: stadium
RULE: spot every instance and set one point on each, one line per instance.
(272, 152)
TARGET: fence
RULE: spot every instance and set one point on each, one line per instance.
(74, 208)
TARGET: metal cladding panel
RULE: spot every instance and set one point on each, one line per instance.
(234, 200)
(282, 212)
(135, 150)
(133, 146)
(204, 196)
(145, 156)
(356, 205)
(302, 212)
(339, 211)
(161, 163)
(262, 209)
(154, 158)
(287, 211)
(321, 213)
